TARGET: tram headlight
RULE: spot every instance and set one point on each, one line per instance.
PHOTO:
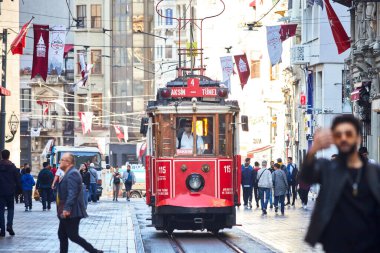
(195, 182)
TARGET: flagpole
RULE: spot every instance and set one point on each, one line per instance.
(4, 85)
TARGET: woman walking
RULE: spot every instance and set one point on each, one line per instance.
(116, 183)
(280, 186)
(303, 191)
(86, 183)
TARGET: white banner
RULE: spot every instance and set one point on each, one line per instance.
(61, 104)
(35, 131)
(126, 137)
(227, 69)
(274, 44)
(86, 120)
(57, 39)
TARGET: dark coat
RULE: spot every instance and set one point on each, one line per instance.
(246, 175)
(70, 191)
(48, 183)
(10, 179)
(332, 176)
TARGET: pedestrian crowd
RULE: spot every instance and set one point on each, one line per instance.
(272, 185)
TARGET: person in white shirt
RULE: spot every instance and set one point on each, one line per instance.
(186, 140)
(265, 183)
(58, 177)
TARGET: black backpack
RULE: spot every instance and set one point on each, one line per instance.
(116, 180)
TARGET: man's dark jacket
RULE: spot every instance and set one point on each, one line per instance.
(70, 192)
(332, 176)
(10, 181)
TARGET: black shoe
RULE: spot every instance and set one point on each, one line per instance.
(10, 231)
(288, 203)
(271, 206)
(44, 210)
(2, 233)
(276, 209)
(26, 209)
(293, 204)
(282, 213)
(257, 205)
(264, 212)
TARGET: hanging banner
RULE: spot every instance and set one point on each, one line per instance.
(310, 91)
(274, 44)
(86, 120)
(287, 31)
(35, 131)
(40, 51)
(227, 70)
(18, 44)
(243, 68)
(126, 137)
(119, 134)
(61, 104)
(84, 70)
(57, 38)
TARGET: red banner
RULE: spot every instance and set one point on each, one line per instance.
(287, 31)
(18, 44)
(243, 68)
(41, 49)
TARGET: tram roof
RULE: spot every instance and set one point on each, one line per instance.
(187, 107)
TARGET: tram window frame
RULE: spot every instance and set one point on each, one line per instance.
(194, 118)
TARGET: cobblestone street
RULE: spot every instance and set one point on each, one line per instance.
(109, 227)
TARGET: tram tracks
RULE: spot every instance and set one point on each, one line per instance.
(180, 246)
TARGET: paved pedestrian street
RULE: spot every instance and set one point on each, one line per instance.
(108, 227)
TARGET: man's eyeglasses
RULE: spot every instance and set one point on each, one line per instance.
(339, 135)
(187, 125)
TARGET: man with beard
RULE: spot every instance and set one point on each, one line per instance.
(346, 216)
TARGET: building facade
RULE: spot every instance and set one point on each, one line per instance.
(41, 119)
(9, 18)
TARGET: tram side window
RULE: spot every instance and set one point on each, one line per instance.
(202, 129)
(166, 135)
(222, 135)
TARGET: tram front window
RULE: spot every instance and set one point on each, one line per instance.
(201, 129)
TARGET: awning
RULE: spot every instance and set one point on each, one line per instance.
(251, 153)
(68, 48)
(253, 4)
(355, 95)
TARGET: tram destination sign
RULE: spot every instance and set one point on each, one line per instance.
(193, 90)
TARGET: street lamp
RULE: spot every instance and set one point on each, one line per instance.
(13, 123)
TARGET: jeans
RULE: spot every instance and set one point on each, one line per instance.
(292, 191)
(247, 191)
(69, 229)
(271, 197)
(254, 191)
(280, 199)
(27, 198)
(85, 196)
(93, 187)
(116, 190)
(264, 202)
(6, 201)
(46, 198)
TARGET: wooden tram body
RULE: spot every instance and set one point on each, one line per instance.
(214, 169)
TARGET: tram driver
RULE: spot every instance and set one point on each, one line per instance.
(185, 140)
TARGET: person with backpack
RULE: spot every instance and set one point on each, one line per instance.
(27, 183)
(255, 187)
(291, 174)
(44, 181)
(246, 182)
(265, 184)
(116, 183)
(280, 186)
(129, 181)
(93, 182)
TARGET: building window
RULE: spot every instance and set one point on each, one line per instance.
(159, 17)
(96, 16)
(96, 61)
(169, 15)
(82, 99)
(81, 16)
(255, 68)
(275, 72)
(169, 52)
(97, 106)
(26, 97)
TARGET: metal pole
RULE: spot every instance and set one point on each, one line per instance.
(4, 84)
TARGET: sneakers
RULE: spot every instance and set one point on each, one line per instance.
(26, 209)
(257, 205)
(276, 209)
(264, 212)
(245, 206)
(271, 206)
(250, 204)
(10, 231)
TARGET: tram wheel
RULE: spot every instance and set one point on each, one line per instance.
(214, 231)
(169, 231)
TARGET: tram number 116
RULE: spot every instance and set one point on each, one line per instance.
(227, 169)
(162, 169)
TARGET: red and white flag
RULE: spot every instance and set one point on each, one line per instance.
(41, 51)
(84, 70)
(18, 44)
(341, 38)
(243, 68)
(126, 137)
(119, 133)
(86, 120)
(287, 31)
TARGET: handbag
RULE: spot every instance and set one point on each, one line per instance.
(36, 195)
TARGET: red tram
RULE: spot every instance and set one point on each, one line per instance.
(192, 160)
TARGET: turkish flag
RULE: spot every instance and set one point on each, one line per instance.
(119, 134)
(86, 120)
(341, 38)
(287, 31)
(18, 44)
(41, 51)
(243, 68)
